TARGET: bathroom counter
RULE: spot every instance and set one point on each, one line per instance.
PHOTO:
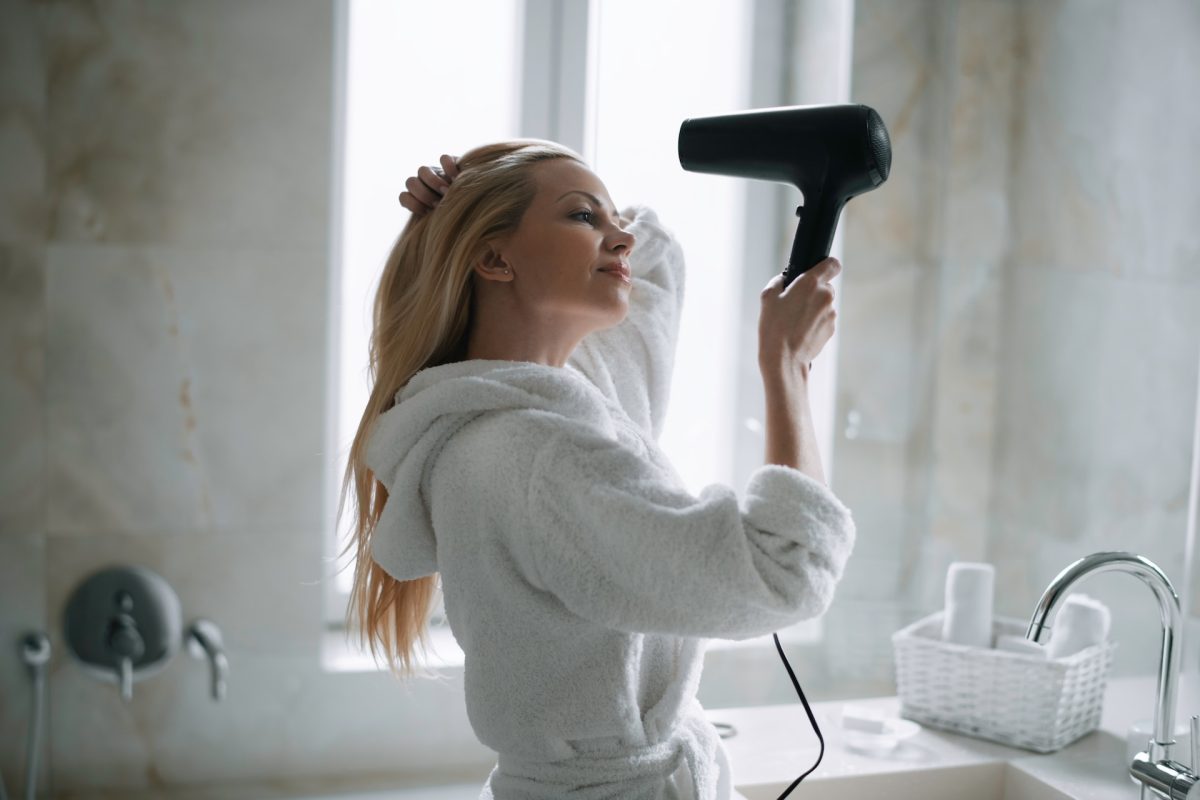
(774, 744)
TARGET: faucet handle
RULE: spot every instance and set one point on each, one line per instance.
(204, 641)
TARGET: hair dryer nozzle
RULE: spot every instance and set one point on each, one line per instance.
(881, 147)
(830, 153)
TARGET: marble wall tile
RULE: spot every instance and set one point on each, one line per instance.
(254, 325)
(1095, 428)
(182, 388)
(972, 253)
(282, 722)
(898, 70)
(882, 361)
(999, 110)
(184, 383)
(858, 649)
(262, 588)
(189, 123)
(754, 675)
(23, 209)
(266, 602)
(1095, 419)
(22, 391)
(1105, 173)
(123, 451)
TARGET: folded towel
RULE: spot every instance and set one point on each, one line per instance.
(1019, 644)
(968, 614)
(1082, 622)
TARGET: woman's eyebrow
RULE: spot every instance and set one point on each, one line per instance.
(593, 198)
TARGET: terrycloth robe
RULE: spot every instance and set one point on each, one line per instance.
(579, 575)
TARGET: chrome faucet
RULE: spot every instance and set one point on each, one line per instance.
(204, 641)
(1152, 768)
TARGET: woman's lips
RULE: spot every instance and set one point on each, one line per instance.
(621, 271)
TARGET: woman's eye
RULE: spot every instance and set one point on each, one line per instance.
(588, 213)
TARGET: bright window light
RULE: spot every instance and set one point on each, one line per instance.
(409, 98)
(636, 129)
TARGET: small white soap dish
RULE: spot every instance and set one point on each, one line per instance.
(866, 730)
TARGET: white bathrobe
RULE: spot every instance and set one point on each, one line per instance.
(580, 577)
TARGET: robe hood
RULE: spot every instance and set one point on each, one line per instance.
(407, 439)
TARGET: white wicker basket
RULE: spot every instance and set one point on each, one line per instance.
(1007, 697)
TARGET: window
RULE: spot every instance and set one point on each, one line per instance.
(405, 101)
(558, 70)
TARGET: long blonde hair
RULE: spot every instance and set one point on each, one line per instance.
(422, 316)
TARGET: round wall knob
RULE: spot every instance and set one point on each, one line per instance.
(123, 624)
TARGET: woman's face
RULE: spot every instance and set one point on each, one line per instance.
(563, 242)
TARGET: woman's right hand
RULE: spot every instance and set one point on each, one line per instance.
(795, 323)
(425, 189)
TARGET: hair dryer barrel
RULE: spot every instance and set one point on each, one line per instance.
(830, 153)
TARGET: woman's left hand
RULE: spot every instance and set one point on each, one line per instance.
(425, 189)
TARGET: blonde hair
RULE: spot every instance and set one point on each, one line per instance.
(422, 315)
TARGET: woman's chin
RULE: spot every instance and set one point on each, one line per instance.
(618, 311)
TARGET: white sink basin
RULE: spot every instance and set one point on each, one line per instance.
(996, 781)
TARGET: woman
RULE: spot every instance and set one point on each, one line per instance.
(521, 357)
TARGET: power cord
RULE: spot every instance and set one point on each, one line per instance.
(811, 718)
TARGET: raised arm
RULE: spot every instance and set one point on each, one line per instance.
(621, 545)
(632, 361)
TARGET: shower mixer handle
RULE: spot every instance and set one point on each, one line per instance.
(126, 646)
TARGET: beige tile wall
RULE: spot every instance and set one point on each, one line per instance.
(1019, 341)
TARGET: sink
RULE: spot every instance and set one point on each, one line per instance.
(995, 781)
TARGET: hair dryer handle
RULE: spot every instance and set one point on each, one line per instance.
(814, 235)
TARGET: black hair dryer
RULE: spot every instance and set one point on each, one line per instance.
(830, 153)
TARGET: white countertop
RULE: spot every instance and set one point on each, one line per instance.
(775, 744)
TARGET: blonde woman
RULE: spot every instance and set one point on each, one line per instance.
(521, 357)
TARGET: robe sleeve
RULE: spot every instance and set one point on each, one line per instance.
(620, 545)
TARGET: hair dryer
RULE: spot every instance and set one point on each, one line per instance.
(830, 153)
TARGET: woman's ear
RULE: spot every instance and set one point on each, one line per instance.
(492, 266)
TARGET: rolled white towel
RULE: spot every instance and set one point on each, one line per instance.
(1019, 644)
(968, 613)
(1081, 622)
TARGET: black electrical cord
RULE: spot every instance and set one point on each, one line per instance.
(811, 718)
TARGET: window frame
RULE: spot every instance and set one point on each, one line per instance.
(557, 98)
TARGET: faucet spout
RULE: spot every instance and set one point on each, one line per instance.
(204, 641)
(1169, 611)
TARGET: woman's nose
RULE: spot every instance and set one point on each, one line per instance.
(624, 238)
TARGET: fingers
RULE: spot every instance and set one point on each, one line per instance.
(823, 271)
(426, 188)
(420, 197)
(432, 183)
(409, 202)
(826, 270)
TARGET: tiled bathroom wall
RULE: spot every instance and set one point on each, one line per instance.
(1020, 309)
(164, 219)
(1018, 362)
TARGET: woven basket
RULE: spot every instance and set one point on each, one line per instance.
(1007, 697)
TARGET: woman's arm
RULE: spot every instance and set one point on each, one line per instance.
(621, 545)
(632, 362)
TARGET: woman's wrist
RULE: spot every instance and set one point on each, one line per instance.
(783, 371)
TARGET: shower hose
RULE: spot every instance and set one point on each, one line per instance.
(35, 652)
